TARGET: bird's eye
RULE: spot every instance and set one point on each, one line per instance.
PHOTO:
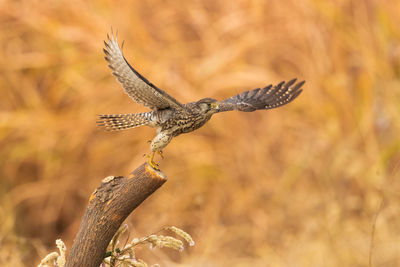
(213, 105)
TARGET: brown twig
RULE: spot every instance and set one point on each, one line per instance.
(108, 207)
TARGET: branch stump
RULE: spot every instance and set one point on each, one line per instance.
(108, 207)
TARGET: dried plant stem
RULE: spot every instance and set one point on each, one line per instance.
(371, 244)
(108, 207)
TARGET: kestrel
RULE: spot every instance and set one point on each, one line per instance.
(172, 118)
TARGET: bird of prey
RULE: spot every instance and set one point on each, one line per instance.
(170, 117)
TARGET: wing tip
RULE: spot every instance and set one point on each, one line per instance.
(300, 84)
(290, 83)
(279, 85)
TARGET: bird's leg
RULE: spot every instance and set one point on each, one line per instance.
(159, 142)
(152, 163)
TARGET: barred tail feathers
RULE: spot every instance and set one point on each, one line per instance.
(119, 122)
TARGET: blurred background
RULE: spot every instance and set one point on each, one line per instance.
(313, 183)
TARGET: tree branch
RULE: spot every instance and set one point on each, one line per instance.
(108, 207)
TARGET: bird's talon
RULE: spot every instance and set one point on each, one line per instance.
(161, 154)
(153, 164)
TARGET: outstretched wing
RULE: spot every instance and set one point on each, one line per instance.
(134, 84)
(266, 98)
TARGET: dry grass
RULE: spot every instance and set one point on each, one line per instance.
(296, 186)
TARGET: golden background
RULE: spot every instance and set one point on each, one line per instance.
(303, 185)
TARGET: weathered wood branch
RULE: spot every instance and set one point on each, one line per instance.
(108, 207)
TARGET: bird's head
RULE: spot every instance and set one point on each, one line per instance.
(208, 105)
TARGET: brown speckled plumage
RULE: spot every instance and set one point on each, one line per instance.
(172, 118)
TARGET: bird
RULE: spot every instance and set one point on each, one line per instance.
(169, 116)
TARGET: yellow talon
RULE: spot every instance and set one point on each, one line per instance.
(152, 163)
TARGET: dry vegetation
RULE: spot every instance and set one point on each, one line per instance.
(298, 186)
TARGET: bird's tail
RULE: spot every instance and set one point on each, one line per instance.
(119, 122)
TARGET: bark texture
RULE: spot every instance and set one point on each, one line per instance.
(108, 207)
